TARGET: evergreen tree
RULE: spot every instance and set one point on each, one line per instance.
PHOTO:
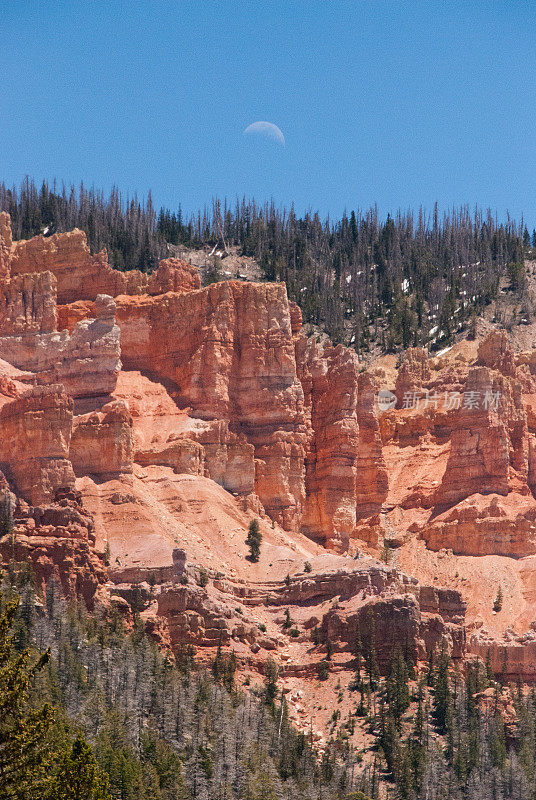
(78, 776)
(442, 694)
(398, 696)
(253, 540)
(498, 602)
(23, 748)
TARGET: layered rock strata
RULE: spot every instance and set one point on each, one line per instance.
(82, 276)
(102, 442)
(34, 447)
(5, 245)
(58, 541)
(87, 362)
(228, 350)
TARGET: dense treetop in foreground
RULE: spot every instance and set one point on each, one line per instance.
(398, 281)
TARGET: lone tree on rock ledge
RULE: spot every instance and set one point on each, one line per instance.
(254, 539)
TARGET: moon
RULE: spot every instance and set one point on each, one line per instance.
(267, 129)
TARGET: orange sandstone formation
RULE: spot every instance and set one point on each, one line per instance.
(102, 442)
(34, 447)
(83, 276)
(28, 304)
(229, 353)
(58, 541)
(186, 412)
(5, 245)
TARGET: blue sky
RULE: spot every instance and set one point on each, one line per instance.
(395, 103)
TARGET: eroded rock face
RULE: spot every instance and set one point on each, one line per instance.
(34, 447)
(511, 658)
(229, 458)
(28, 304)
(329, 379)
(165, 434)
(234, 359)
(82, 276)
(346, 479)
(173, 275)
(390, 623)
(413, 619)
(487, 441)
(87, 363)
(412, 375)
(372, 481)
(495, 351)
(484, 525)
(67, 257)
(387, 622)
(183, 455)
(58, 541)
(232, 392)
(5, 245)
(194, 617)
(102, 442)
(229, 351)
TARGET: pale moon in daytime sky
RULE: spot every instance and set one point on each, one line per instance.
(267, 130)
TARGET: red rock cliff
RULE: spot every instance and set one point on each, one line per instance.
(83, 276)
(229, 351)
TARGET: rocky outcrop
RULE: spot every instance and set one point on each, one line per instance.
(372, 482)
(172, 275)
(68, 257)
(329, 379)
(87, 363)
(193, 617)
(165, 434)
(511, 658)
(102, 442)
(382, 623)
(34, 447)
(82, 276)
(58, 541)
(221, 385)
(5, 246)
(28, 304)
(413, 623)
(183, 455)
(346, 479)
(228, 350)
(371, 578)
(496, 352)
(412, 376)
(229, 459)
(489, 439)
(484, 525)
